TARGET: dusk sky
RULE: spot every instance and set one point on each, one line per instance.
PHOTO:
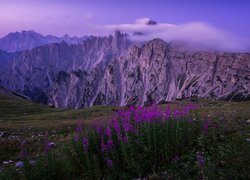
(75, 17)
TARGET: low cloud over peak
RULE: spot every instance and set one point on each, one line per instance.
(197, 34)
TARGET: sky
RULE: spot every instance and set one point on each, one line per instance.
(100, 17)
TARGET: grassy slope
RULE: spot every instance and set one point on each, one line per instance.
(20, 113)
(26, 120)
(22, 119)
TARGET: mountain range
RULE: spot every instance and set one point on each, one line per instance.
(114, 70)
(26, 40)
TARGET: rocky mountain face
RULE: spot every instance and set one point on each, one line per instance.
(157, 73)
(6, 57)
(113, 71)
(26, 40)
(34, 72)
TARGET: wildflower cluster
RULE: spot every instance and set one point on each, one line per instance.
(138, 140)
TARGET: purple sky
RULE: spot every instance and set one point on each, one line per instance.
(79, 17)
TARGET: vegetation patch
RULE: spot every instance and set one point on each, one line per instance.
(156, 142)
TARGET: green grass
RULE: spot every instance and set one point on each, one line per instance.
(25, 119)
(14, 110)
(16, 113)
(176, 148)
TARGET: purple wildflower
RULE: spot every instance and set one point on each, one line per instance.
(104, 147)
(109, 143)
(78, 132)
(176, 114)
(125, 115)
(109, 163)
(99, 130)
(137, 117)
(200, 160)
(132, 109)
(115, 124)
(127, 127)
(108, 132)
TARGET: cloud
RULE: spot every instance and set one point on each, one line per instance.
(196, 34)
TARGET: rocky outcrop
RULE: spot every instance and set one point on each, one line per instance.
(156, 73)
(109, 71)
(34, 72)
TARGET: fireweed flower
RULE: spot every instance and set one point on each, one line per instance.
(137, 117)
(132, 109)
(116, 126)
(99, 130)
(109, 162)
(108, 132)
(104, 147)
(127, 127)
(200, 160)
(179, 113)
(125, 115)
(176, 114)
(78, 132)
(109, 143)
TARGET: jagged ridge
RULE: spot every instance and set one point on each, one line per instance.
(103, 71)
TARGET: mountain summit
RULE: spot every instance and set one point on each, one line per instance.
(151, 22)
(146, 21)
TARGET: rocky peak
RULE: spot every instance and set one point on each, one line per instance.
(110, 71)
(151, 22)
